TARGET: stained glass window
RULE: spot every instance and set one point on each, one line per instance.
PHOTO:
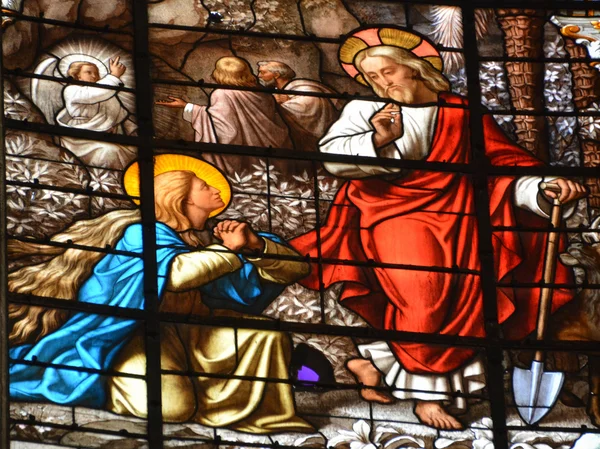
(331, 224)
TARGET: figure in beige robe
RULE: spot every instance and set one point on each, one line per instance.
(235, 117)
(307, 116)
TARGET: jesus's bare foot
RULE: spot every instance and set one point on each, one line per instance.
(434, 415)
(368, 375)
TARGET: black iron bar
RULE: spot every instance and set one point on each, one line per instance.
(4, 377)
(70, 80)
(146, 166)
(494, 356)
(302, 327)
(196, 148)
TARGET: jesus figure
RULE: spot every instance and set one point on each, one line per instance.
(425, 219)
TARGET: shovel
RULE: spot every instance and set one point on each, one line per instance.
(536, 391)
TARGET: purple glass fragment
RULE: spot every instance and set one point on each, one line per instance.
(306, 374)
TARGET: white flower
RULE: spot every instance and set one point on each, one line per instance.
(553, 95)
(358, 438)
(593, 128)
(484, 436)
(385, 438)
(566, 125)
(588, 441)
(554, 49)
(593, 48)
(593, 107)
(15, 105)
(552, 76)
(104, 180)
(20, 225)
(17, 143)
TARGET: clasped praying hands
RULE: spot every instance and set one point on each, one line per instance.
(238, 236)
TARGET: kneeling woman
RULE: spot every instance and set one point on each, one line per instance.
(205, 369)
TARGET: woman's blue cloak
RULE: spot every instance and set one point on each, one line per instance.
(91, 341)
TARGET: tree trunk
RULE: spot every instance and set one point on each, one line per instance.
(591, 158)
(524, 38)
(585, 77)
(585, 88)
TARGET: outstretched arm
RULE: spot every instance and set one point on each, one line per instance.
(527, 195)
(173, 102)
(280, 271)
(195, 114)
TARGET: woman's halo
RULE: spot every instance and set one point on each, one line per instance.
(66, 61)
(164, 163)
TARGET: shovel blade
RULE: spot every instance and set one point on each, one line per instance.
(535, 391)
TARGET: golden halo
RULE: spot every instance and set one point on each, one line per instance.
(436, 62)
(164, 163)
(399, 38)
(389, 35)
(350, 48)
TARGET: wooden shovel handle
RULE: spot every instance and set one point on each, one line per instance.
(551, 187)
(548, 278)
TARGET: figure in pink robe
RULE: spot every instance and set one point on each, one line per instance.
(235, 117)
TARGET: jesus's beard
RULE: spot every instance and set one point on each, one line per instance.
(399, 93)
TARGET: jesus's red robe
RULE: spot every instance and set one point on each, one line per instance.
(427, 218)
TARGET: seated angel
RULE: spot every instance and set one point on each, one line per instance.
(87, 107)
(233, 262)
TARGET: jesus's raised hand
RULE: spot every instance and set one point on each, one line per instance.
(388, 125)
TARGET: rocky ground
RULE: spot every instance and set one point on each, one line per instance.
(340, 417)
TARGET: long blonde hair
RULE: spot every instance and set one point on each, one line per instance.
(234, 71)
(170, 191)
(433, 79)
(68, 268)
(62, 275)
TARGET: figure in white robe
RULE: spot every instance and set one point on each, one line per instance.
(424, 218)
(96, 109)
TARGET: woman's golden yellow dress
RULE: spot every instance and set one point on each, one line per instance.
(215, 376)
